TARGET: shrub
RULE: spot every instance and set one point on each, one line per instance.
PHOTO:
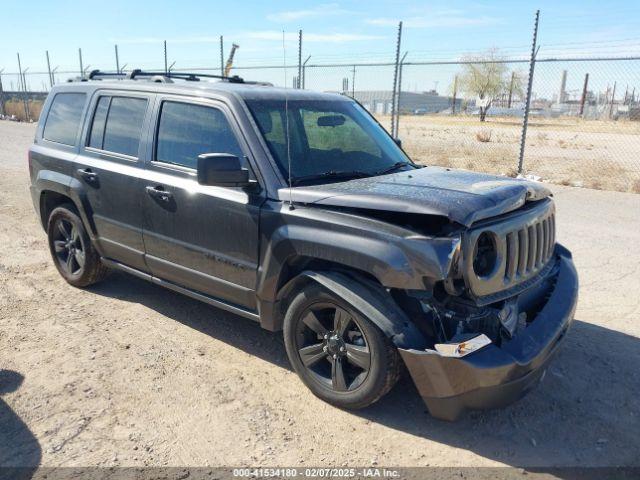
(483, 136)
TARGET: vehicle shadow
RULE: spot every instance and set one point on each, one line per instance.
(20, 452)
(586, 411)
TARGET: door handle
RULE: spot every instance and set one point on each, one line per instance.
(88, 175)
(159, 193)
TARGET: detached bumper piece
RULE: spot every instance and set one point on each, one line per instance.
(495, 376)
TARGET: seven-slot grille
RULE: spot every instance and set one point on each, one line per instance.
(524, 243)
(529, 248)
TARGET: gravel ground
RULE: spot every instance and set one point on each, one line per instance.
(127, 373)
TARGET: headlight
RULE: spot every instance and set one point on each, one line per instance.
(485, 255)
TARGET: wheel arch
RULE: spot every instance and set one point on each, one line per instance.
(365, 295)
(54, 189)
(50, 200)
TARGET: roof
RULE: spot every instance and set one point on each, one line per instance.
(246, 91)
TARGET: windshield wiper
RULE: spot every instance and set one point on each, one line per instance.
(330, 174)
(392, 168)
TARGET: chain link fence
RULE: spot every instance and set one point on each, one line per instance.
(583, 126)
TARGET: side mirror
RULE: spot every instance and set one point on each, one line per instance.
(398, 142)
(222, 170)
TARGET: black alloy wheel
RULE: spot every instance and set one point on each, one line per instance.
(75, 257)
(69, 247)
(341, 356)
(333, 347)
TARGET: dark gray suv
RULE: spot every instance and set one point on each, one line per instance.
(297, 210)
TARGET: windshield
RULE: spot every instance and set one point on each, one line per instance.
(327, 139)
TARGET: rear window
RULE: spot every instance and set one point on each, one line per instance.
(63, 120)
(117, 124)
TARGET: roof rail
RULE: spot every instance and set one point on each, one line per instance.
(137, 73)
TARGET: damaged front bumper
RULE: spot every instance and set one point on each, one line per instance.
(497, 376)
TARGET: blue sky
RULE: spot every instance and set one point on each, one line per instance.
(340, 31)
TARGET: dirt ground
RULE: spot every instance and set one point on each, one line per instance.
(127, 373)
(566, 151)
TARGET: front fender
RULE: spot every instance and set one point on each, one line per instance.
(394, 261)
(374, 303)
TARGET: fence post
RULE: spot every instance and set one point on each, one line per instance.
(584, 94)
(26, 93)
(353, 82)
(455, 93)
(399, 94)
(395, 80)
(525, 120)
(304, 71)
(23, 87)
(299, 83)
(513, 78)
(613, 99)
(49, 70)
(1, 94)
(166, 65)
(221, 55)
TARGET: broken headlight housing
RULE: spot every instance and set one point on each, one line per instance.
(485, 254)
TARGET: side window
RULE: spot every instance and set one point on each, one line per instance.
(117, 124)
(188, 130)
(63, 120)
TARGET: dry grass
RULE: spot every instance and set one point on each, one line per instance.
(16, 107)
(568, 151)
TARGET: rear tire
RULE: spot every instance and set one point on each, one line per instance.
(73, 254)
(339, 354)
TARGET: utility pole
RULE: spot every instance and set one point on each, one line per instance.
(395, 80)
(527, 105)
(49, 69)
(221, 55)
(513, 79)
(299, 59)
(80, 57)
(304, 71)
(584, 94)
(117, 60)
(455, 92)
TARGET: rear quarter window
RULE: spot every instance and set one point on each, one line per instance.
(64, 118)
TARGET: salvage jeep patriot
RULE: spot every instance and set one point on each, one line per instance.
(297, 210)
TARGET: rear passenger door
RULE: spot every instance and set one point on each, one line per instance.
(202, 237)
(109, 165)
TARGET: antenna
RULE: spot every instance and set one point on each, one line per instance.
(286, 116)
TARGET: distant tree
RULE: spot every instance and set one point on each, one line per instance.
(487, 77)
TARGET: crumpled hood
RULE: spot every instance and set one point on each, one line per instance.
(461, 196)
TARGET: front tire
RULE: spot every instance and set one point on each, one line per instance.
(73, 254)
(340, 355)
